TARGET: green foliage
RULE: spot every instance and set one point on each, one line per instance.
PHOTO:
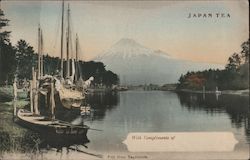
(235, 76)
(92, 68)
(4, 35)
(7, 52)
(109, 78)
(20, 60)
(51, 64)
(234, 62)
(245, 51)
(26, 59)
(98, 71)
(7, 62)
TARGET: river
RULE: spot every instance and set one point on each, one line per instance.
(114, 115)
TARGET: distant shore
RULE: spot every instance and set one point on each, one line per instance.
(244, 92)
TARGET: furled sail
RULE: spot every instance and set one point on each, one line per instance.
(73, 71)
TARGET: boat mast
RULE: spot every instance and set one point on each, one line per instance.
(76, 47)
(76, 78)
(41, 41)
(67, 44)
(62, 29)
(39, 54)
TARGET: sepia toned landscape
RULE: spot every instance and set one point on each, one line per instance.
(96, 79)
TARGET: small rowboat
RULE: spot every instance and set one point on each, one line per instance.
(47, 125)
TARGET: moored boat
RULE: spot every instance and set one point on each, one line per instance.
(69, 95)
(45, 124)
(42, 124)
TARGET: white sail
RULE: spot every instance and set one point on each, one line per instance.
(87, 83)
(73, 71)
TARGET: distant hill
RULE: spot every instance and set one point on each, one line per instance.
(136, 64)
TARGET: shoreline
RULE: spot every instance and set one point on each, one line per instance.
(244, 92)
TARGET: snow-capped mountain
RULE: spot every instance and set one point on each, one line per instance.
(136, 64)
(126, 48)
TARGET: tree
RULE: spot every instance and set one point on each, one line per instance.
(234, 62)
(235, 76)
(51, 64)
(26, 59)
(245, 51)
(7, 63)
(109, 78)
(7, 52)
(4, 35)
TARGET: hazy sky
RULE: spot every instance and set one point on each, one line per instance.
(160, 25)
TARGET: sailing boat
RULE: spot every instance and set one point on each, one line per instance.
(44, 124)
(68, 94)
(47, 125)
(80, 83)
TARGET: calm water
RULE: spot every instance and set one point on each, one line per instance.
(117, 114)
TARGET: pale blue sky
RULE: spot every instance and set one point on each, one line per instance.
(158, 25)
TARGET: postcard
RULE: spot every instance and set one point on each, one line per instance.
(124, 80)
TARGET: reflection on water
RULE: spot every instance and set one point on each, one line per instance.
(117, 114)
(102, 102)
(28, 141)
(237, 107)
(157, 111)
(99, 103)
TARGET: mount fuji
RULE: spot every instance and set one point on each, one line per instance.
(136, 64)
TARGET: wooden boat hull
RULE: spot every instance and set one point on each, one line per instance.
(65, 96)
(68, 104)
(43, 125)
(61, 105)
(61, 112)
(70, 101)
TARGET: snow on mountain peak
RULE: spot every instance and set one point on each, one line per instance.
(127, 48)
(136, 64)
(127, 41)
